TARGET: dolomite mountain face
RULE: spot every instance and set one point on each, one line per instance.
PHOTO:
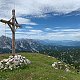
(22, 45)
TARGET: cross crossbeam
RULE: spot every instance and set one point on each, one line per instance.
(8, 22)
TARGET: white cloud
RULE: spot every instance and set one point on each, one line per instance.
(30, 32)
(35, 31)
(38, 7)
(28, 27)
(74, 34)
(58, 34)
(25, 21)
(48, 29)
(71, 30)
(3, 29)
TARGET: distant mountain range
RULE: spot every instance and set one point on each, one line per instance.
(62, 43)
(32, 45)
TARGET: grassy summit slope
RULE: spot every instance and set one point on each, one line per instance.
(39, 69)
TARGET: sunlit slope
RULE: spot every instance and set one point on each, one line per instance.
(39, 69)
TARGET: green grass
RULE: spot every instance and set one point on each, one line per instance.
(39, 69)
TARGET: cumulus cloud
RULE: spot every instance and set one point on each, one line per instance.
(38, 7)
(64, 34)
(45, 6)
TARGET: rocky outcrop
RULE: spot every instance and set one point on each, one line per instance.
(60, 65)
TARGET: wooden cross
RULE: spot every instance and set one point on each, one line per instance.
(13, 24)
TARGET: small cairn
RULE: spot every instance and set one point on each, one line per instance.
(61, 65)
(13, 62)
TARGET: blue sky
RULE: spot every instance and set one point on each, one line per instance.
(46, 19)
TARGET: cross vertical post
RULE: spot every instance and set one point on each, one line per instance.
(13, 32)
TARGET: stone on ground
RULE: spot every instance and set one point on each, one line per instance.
(14, 62)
